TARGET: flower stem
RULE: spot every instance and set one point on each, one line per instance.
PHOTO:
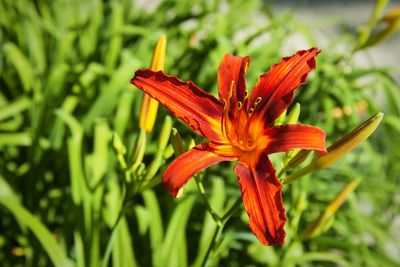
(114, 228)
(110, 242)
(213, 243)
(200, 187)
(232, 210)
(218, 230)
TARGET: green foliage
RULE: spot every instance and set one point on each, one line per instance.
(80, 183)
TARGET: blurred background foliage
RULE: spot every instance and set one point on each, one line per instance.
(69, 121)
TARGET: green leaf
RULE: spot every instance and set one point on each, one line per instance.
(54, 250)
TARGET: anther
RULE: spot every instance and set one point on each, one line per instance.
(251, 110)
(224, 102)
(258, 100)
(246, 94)
(231, 88)
(239, 105)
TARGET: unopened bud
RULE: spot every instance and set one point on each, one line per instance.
(117, 144)
(280, 119)
(138, 150)
(292, 118)
(392, 15)
(149, 108)
(177, 143)
(325, 220)
(293, 115)
(347, 143)
(165, 133)
(339, 148)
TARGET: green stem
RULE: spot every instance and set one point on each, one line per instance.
(218, 230)
(110, 244)
(232, 210)
(214, 215)
(114, 230)
(213, 243)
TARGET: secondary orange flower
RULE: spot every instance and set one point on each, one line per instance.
(240, 127)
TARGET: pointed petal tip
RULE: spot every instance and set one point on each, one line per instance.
(162, 38)
(277, 86)
(179, 193)
(279, 239)
(293, 136)
(379, 116)
(173, 191)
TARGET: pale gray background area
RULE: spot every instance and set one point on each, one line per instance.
(351, 13)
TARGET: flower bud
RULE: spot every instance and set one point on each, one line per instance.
(165, 133)
(280, 119)
(324, 221)
(293, 115)
(339, 148)
(177, 143)
(347, 143)
(149, 108)
(138, 150)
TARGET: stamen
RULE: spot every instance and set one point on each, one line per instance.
(246, 129)
(246, 94)
(238, 131)
(231, 88)
(258, 100)
(223, 126)
(239, 105)
(225, 116)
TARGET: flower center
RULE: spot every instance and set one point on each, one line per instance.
(239, 126)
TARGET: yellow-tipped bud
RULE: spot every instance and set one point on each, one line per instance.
(341, 197)
(348, 142)
(149, 108)
(392, 15)
(324, 221)
(390, 25)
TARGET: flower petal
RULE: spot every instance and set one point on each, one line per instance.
(198, 109)
(262, 199)
(188, 164)
(292, 136)
(277, 86)
(232, 68)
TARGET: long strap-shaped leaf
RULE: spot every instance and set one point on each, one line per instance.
(54, 250)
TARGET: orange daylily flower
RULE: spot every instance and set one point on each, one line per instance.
(240, 127)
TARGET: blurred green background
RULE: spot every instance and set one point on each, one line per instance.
(69, 122)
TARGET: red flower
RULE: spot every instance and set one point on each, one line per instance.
(240, 127)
